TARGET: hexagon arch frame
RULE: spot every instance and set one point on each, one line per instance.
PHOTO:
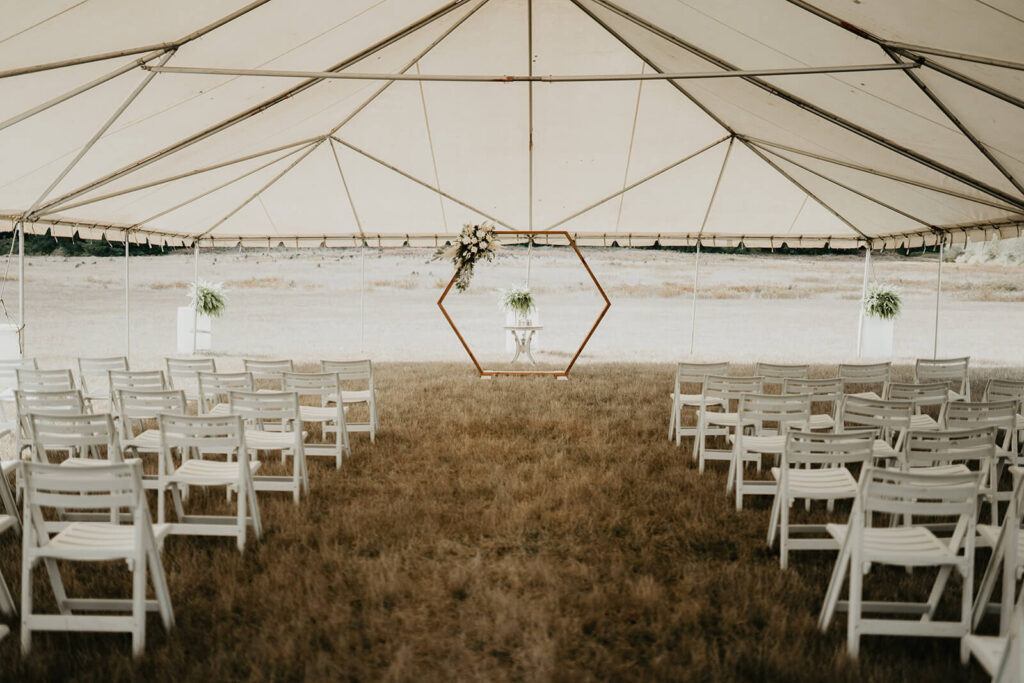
(560, 374)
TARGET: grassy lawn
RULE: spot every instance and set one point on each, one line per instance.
(521, 529)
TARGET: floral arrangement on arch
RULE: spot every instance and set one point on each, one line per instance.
(208, 298)
(474, 243)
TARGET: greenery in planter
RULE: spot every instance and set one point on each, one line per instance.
(519, 300)
(208, 298)
(882, 301)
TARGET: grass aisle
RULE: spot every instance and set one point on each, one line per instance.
(521, 529)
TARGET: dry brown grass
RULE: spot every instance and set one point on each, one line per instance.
(258, 283)
(516, 529)
(176, 284)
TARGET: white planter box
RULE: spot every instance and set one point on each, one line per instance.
(9, 347)
(204, 336)
(876, 337)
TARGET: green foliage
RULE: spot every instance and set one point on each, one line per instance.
(519, 300)
(208, 298)
(882, 301)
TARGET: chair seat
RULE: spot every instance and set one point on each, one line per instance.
(270, 441)
(913, 546)
(940, 469)
(357, 396)
(1020, 422)
(988, 650)
(867, 394)
(923, 422)
(105, 540)
(7, 395)
(990, 536)
(318, 413)
(764, 444)
(100, 394)
(210, 472)
(882, 450)
(219, 410)
(149, 440)
(955, 396)
(821, 421)
(826, 482)
(84, 462)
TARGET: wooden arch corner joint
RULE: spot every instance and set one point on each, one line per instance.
(560, 374)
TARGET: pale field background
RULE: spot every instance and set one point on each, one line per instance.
(307, 305)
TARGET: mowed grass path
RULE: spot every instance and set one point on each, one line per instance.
(521, 529)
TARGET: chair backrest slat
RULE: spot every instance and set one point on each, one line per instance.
(145, 380)
(695, 373)
(8, 366)
(918, 494)
(860, 412)
(268, 369)
(820, 448)
(217, 434)
(866, 373)
(185, 371)
(776, 373)
(350, 370)
(214, 386)
(731, 388)
(1004, 390)
(266, 405)
(44, 380)
(999, 414)
(61, 432)
(110, 485)
(954, 372)
(930, 447)
(785, 410)
(322, 384)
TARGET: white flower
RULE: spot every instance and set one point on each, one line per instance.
(479, 232)
(473, 249)
(465, 239)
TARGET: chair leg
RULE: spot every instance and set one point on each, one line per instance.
(26, 606)
(853, 615)
(835, 586)
(672, 422)
(783, 532)
(139, 606)
(242, 520)
(7, 605)
(57, 584)
(698, 443)
(163, 593)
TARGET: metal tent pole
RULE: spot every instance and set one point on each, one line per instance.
(21, 286)
(938, 297)
(693, 305)
(863, 294)
(362, 296)
(127, 301)
(195, 304)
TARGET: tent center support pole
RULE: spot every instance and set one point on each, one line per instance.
(529, 97)
(21, 286)
(938, 298)
(127, 302)
(863, 295)
(195, 304)
(362, 297)
(693, 303)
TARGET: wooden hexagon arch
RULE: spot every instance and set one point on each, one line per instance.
(560, 374)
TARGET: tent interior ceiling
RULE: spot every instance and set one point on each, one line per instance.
(98, 144)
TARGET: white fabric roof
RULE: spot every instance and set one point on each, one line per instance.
(888, 157)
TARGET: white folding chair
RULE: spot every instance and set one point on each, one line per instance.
(815, 466)
(689, 373)
(257, 408)
(1006, 563)
(864, 545)
(9, 382)
(189, 436)
(1008, 390)
(359, 372)
(113, 486)
(44, 380)
(183, 373)
(868, 379)
(137, 380)
(775, 374)
(269, 370)
(715, 416)
(92, 377)
(214, 388)
(81, 436)
(135, 405)
(322, 387)
(1002, 656)
(69, 402)
(891, 419)
(954, 372)
(823, 392)
(935, 395)
(763, 421)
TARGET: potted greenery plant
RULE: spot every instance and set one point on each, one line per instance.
(882, 304)
(519, 301)
(195, 321)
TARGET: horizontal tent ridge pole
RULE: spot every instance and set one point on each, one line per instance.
(420, 182)
(803, 189)
(251, 111)
(813, 108)
(95, 138)
(179, 176)
(876, 172)
(991, 61)
(578, 78)
(963, 78)
(128, 52)
(639, 182)
(214, 189)
(79, 90)
(306, 151)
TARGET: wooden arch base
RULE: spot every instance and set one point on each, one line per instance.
(560, 374)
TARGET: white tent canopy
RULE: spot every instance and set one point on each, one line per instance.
(899, 124)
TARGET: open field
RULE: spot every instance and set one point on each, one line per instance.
(520, 529)
(778, 307)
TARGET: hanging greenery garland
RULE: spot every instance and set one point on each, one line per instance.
(474, 243)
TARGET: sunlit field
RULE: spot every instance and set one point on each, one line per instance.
(523, 529)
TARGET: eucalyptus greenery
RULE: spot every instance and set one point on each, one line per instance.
(474, 243)
(882, 301)
(519, 300)
(208, 298)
